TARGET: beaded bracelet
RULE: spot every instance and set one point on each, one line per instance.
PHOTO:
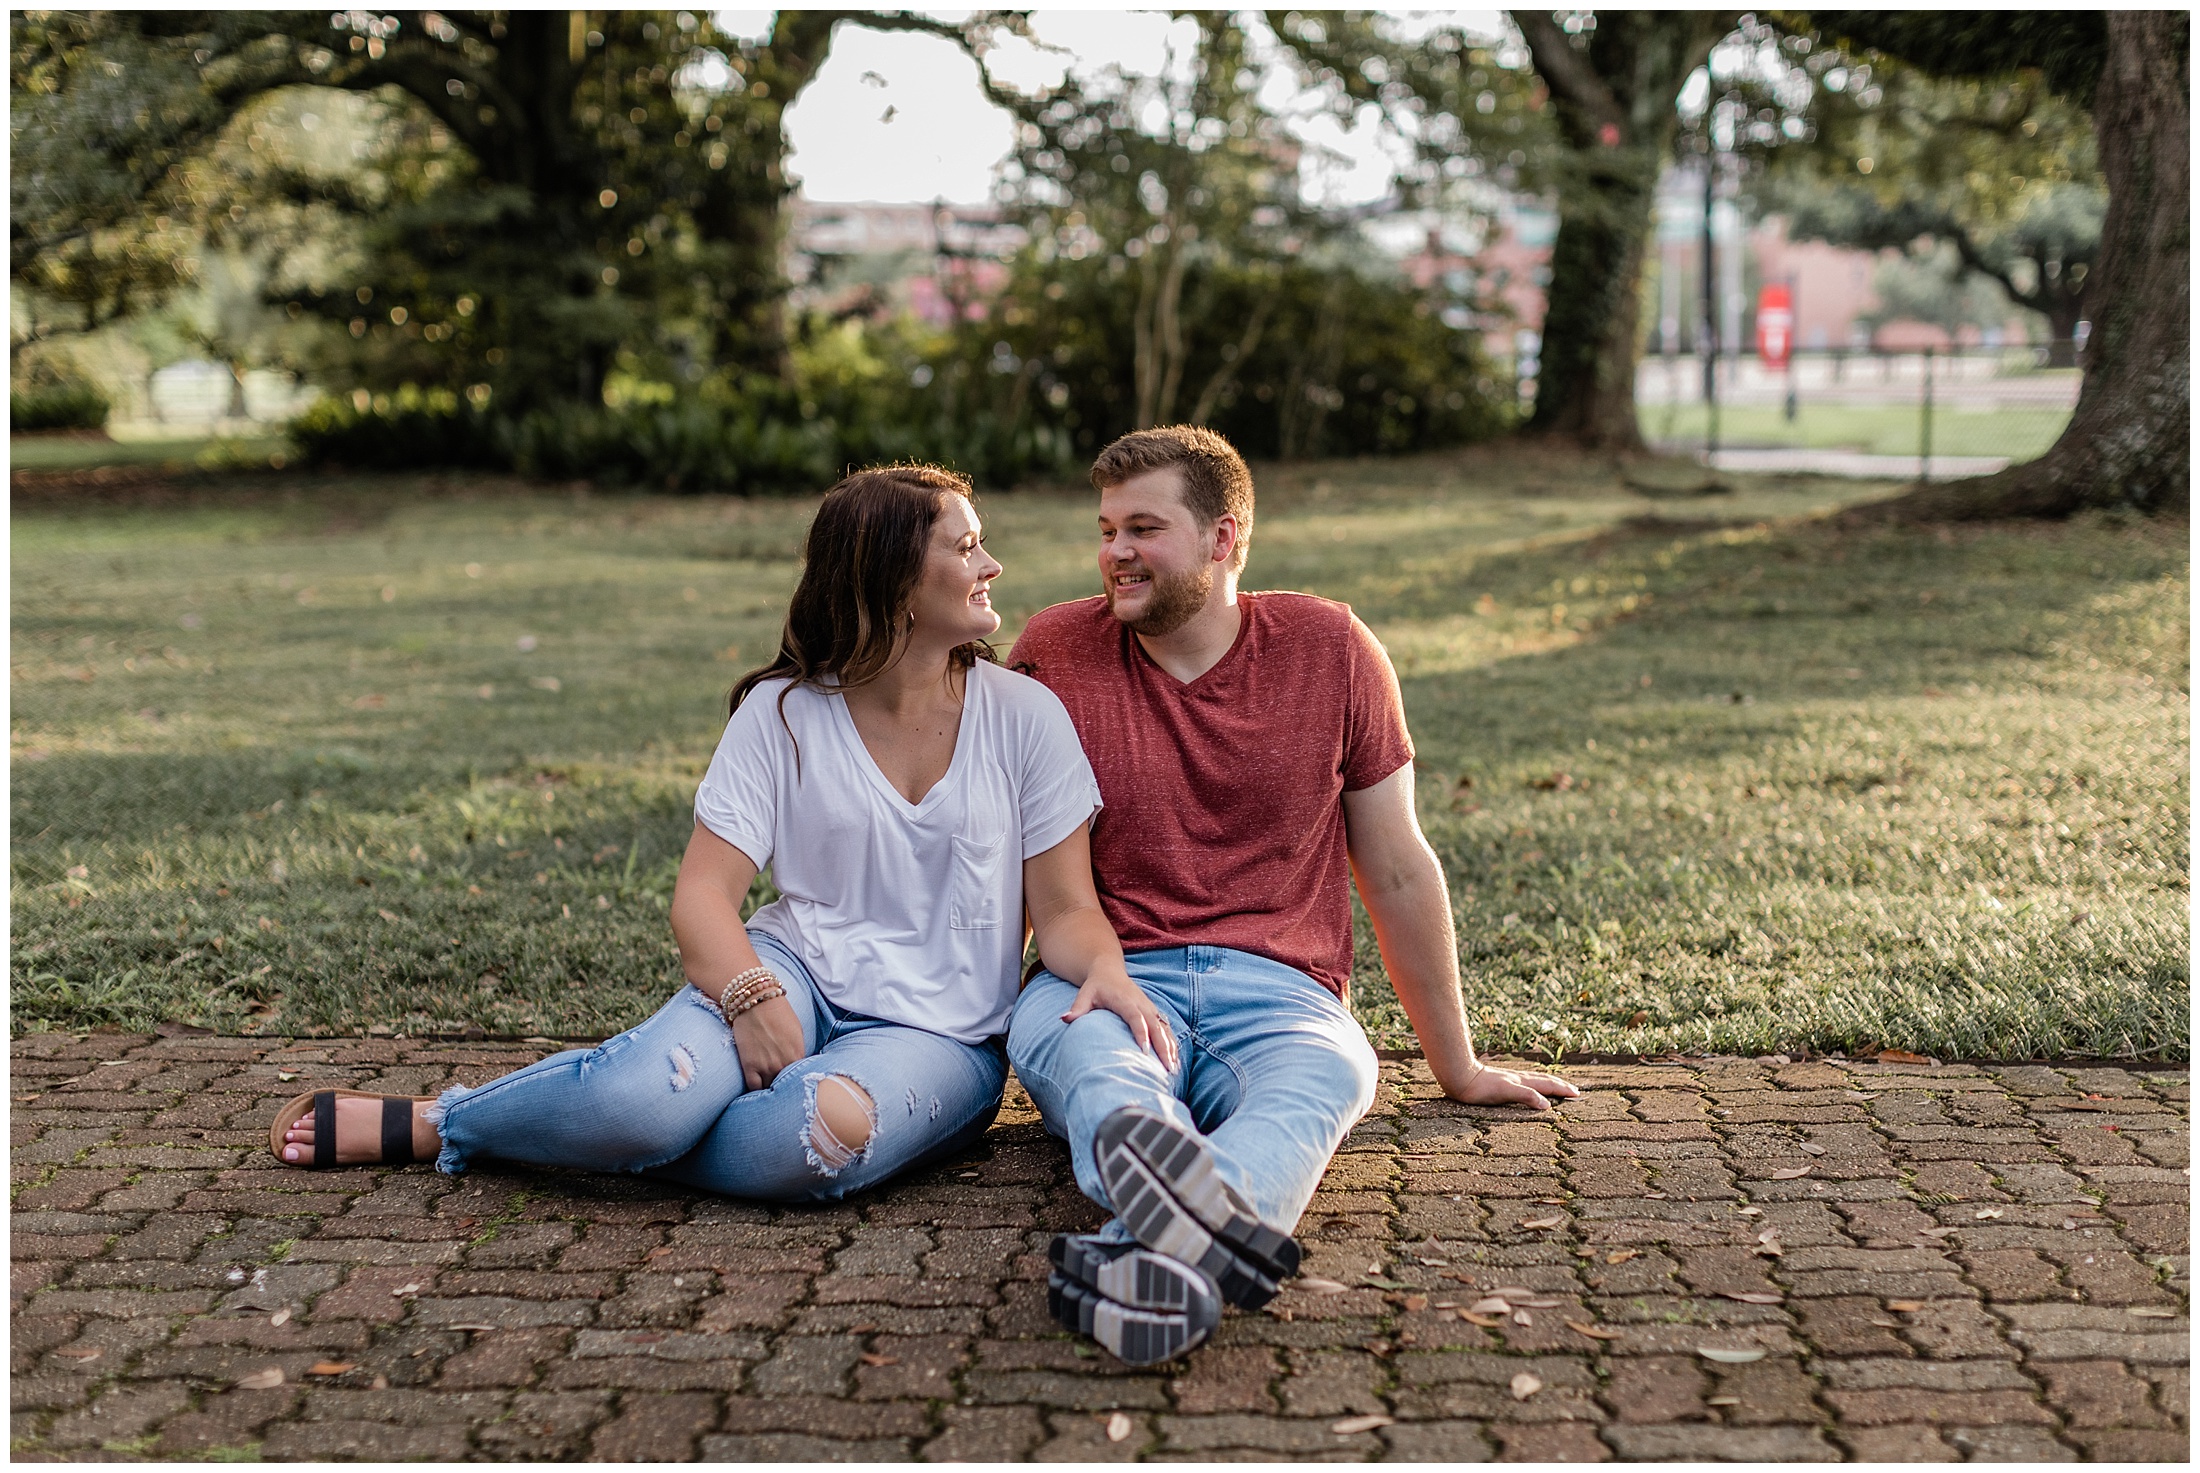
(746, 990)
(754, 999)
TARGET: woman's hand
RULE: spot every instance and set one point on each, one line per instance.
(1487, 1086)
(1115, 991)
(768, 1037)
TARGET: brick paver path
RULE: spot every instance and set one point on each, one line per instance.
(1935, 1263)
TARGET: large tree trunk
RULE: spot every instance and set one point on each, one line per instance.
(1585, 390)
(2129, 440)
(1613, 93)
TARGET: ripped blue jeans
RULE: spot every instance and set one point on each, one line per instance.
(666, 1099)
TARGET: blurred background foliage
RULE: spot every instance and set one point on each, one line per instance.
(555, 241)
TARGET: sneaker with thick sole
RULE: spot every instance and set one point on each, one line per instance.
(1158, 1220)
(1132, 1275)
(1183, 1162)
(1137, 1337)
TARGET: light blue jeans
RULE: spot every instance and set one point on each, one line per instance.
(1271, 1067)
(666, 1099)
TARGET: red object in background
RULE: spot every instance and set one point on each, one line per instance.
(1775, 326)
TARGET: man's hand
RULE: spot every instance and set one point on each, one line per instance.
(768, 1037)
(1116, 992)
(1487, 1086)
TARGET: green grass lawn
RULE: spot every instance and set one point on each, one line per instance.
(1890, 429)
(308, 755)
(179, 452)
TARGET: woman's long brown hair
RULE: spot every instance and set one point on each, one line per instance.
(860, 567)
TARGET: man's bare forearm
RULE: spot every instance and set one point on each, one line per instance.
(1413, 930)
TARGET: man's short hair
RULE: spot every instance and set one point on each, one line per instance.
(1216, 481)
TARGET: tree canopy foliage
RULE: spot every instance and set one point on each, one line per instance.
(2003, 170)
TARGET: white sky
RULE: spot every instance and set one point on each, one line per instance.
(900, 118)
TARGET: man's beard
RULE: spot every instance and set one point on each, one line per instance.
(1175, 599)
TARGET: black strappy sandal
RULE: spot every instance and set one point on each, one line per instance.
(397, 1127)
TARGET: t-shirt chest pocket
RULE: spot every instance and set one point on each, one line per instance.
(974, 882)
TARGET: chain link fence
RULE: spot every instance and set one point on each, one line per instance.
(1917, 415)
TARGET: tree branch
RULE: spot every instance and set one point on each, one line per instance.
(1968, 252)
(1566, 72)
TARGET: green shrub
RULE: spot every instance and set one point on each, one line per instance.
(772, 440)
(1348, 364)
(408, 430)
(57, 404)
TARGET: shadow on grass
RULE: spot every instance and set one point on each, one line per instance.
(1809, 789)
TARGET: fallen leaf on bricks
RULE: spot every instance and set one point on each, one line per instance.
(477, 1328)
(1986, 1212)
(1415, 1302)
(1722, 1401)
(79, 1352)
(1491, 1305)
(1729, 1357)
(1899, 1056)
(2144, 1311)
(279, 1318)
(1320, 1286)
(1368, 1423)
(1905, 1306)
(1752, 1297)
(1486, 1321)
(1525, 1385)
(1812, 1148)
(1550, 1201)
(1622, 1255)
(1119, 1427)
(1790, 1173)
(1594, 1332)
(1522, 1317)
(879, 1360)
(331, 1367)
(266, 1380)
(1768, 1244)
(1539, 1224)
(1540, 1302)
(403, 1289)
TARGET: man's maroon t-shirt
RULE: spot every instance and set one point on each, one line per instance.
(1224, 824)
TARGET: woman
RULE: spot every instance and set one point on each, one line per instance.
(913, 800)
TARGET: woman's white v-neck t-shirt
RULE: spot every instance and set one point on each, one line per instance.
(911, 912)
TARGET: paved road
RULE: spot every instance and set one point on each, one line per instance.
(1935, 1263)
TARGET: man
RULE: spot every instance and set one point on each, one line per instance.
(1253, 760)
